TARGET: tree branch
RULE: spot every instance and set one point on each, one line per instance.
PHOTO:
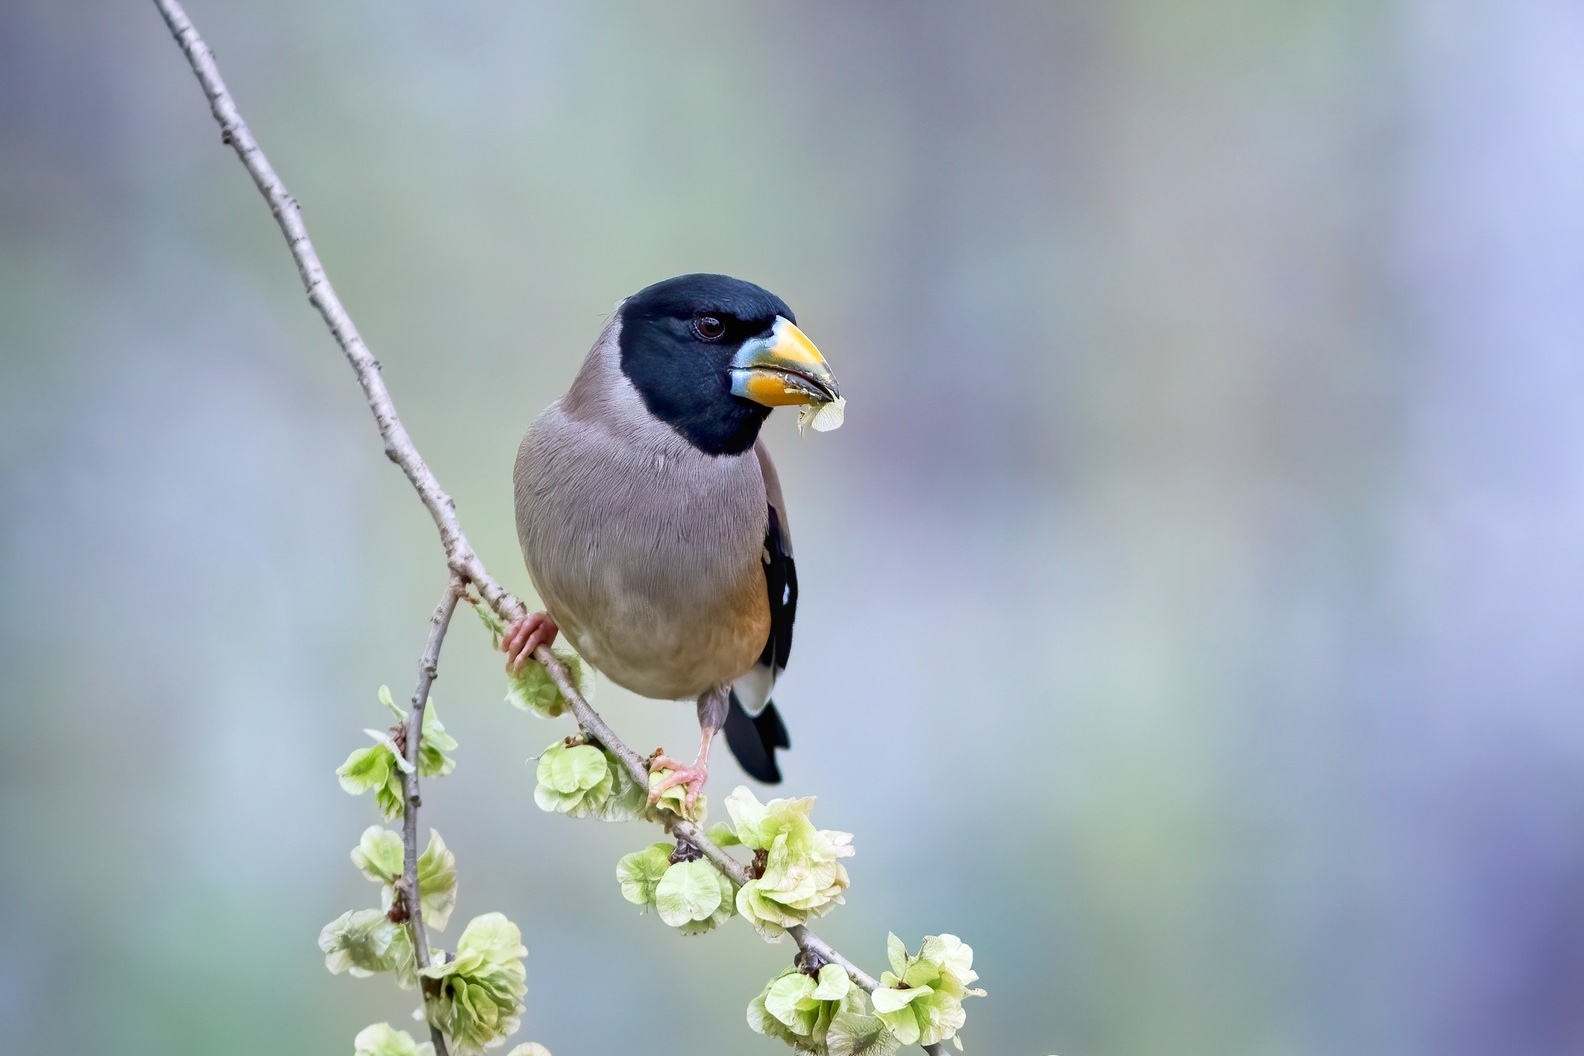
(411, 894)
(460, 556)
(398, 445)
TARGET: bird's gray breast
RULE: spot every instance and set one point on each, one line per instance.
(645, 550)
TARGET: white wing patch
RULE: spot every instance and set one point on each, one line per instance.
(753, 688)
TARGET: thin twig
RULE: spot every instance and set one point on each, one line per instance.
(398, 445)
(410, 892)
(460, 556)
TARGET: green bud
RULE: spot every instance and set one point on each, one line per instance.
(382, 1039)
(479, 998)
(920, 998)
(532, 689)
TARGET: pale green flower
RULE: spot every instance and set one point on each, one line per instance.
(639, 873)
(382, 1039)
(580, 779)
(381, 766)
(627, 800)
(800, 1009)
(920, 998)
(572, 779)
(694, 897)
(857, 1031)
(378, 768)
(479, 1001)
(437, 882)
(532, 689)
(691, 896)
(381, 856)
(802, 877)
(364, 941)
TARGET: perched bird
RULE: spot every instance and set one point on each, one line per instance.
(651, 518)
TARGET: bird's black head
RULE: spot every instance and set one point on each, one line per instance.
(710, 355)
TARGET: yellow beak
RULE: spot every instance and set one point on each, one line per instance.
(782, 368)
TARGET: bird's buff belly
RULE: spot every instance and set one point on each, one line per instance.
(667, 650)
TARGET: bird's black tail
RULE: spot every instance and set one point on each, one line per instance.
(753, 739)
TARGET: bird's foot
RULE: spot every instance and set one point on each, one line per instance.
(526, 634)
(677, 773)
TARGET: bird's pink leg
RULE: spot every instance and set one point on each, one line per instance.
(526, 634)
(692, 777)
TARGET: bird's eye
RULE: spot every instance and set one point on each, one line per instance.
(708, 327)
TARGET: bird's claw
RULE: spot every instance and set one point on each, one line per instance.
(526, 634)
(678, 773)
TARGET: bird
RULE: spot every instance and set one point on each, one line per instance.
(651, 518)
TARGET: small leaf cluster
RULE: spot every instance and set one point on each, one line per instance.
(381, 766)
(689, 894)
(580, 779)
(799, 873)
(918, 1002)
(920, 998)
(811, 1012)
(479, 997)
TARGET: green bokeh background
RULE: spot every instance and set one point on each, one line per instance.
(1193, 604)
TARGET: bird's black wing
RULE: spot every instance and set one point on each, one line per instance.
(753, 728)
(782, 588)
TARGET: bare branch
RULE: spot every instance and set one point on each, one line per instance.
(460, 556)
(398, 445)
(409, 890)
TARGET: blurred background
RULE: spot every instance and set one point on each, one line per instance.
(1193, 604)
